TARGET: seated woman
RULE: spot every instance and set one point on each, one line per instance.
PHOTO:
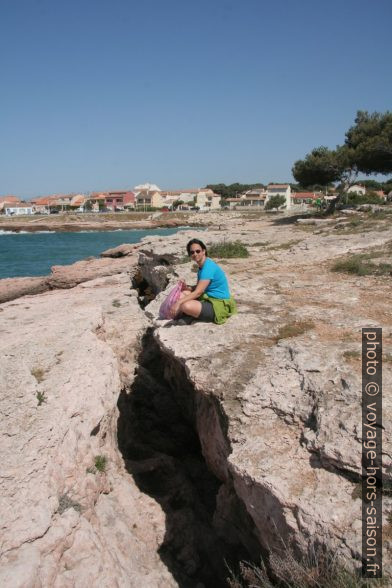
(210, 299)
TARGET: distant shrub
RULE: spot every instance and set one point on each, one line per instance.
(275, 202)
(369, 198)
(228, 249)
(354, 265)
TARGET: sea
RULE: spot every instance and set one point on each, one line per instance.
(33, 254)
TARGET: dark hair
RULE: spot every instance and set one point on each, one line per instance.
(197, 242)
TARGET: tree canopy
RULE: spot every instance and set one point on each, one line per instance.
(370, 142)
(275, 202)
(320, 166)
(232, 190)
(367, 149)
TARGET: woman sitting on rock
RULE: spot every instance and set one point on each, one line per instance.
(209, 300)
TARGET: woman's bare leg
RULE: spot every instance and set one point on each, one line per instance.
(191, 308)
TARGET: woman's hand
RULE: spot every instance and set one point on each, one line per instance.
(175, 309)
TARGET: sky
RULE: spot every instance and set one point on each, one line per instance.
(108, 94)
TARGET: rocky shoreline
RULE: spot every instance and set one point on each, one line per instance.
(77, 224)
(214, 443)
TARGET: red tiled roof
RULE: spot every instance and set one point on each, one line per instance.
(9, 199)
(277, 186)
(78, 200)
(42, 201)
(97, 196)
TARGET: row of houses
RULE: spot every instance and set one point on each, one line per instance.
(143, 197)
(147, 196)
(150, 196)
(258, 197)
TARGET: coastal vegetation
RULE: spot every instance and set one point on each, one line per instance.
(367, 149)
(275, 202)
(228, 249)
(232, 190)
(361, 265)
(320, 569)
(293, 329)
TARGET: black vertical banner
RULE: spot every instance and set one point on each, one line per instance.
(372, 452)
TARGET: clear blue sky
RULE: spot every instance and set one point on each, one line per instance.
(99, 94)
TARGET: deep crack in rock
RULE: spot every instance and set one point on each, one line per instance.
(207, 527)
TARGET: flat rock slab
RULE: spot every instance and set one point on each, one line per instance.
(282, 382)
(64, 358)
(65, 276)
(120, 251)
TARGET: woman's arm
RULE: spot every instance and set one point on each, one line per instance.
(200, 287)
(197, 292)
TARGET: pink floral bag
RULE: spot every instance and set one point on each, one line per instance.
(172, 298)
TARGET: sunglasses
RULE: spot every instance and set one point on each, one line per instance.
(195, 251)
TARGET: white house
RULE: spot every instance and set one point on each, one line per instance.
(254, 197)
(147, 198)
(279, 190)
(18, 209)
(358, 189)
(207, 200)
(233, 202)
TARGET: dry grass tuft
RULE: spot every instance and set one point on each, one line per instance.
(351, 355)
(39, 374)
(320, 569)
(294, 329)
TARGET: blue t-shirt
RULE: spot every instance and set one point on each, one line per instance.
(218, 286)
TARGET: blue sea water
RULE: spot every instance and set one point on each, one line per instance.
(33, 254)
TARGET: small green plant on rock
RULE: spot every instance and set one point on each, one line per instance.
(228, 249)
(41, 398)
(116, 303)
(100, 463)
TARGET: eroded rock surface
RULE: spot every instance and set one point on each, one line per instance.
(270, 400)
(70, 513)
(65, 276)
(282, 383)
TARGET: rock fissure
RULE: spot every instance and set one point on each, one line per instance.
(271, 465)
(207, 526)
(234, 443)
